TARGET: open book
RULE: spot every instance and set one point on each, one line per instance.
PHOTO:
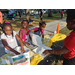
(36, 40)
(31, 46)
(23, 58)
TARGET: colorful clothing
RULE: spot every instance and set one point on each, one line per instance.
(69, 43)
(25, 37)
(36, 31)
(0, 17)
(11, 40)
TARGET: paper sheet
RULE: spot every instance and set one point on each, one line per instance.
(40, 50)
(36, 40)
(18, 49)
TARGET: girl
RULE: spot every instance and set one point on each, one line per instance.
(39, 31)
(24, 32)
(68, 49)
(9, 38)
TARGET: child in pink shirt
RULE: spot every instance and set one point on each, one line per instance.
(24, 32)
(39, 30)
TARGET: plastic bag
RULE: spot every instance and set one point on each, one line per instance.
(46, 40)
(57, 37)
(36, 40)
(36, 59)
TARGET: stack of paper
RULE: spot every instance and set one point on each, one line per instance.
(36, 40)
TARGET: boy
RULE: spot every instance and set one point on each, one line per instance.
(68, 49)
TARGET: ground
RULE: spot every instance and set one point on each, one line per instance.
(17, 23)
(65, 31)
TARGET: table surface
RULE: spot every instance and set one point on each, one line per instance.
(6, 59)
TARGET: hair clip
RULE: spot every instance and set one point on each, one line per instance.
(7, 22)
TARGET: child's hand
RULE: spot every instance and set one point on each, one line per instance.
(17, 53)
(22, 50)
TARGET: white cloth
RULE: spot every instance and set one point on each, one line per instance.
(11, 40)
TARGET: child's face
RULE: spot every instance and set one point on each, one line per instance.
(42, 27)
(25, 24)
(8, 30)
(70, 24)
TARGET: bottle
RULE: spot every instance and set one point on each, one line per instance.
(51, 35)
(55, 32)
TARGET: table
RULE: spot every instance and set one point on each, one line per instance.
(6, 59)
(50, 58)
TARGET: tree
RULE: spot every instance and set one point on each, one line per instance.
(36, 10)
(27, 14)
(49, 13)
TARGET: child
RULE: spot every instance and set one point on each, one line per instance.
(40, 31)
(24, 32)
(9, 38)
(68, 49)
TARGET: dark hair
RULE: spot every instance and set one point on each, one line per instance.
(0, 25)
(41, 23)
(71, 14)
(40, 9)
(24, 20)
(6, 23)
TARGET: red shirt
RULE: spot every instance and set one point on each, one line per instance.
(62, 12)
(69, 43)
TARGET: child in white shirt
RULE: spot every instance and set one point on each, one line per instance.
(9, 38)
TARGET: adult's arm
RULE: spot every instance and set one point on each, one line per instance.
(63, 50)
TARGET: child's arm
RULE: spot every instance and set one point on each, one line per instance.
(20, 35)
(63, 50)
(20, 41)
(9, 48)
(43, 36)
(32, 30)
(35, 29)
(30, 37)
